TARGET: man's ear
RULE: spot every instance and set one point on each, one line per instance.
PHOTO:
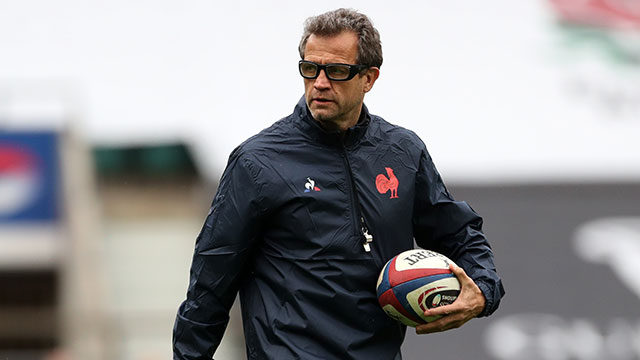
(370, 78)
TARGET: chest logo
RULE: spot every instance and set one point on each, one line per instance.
(384, 184)
(310, 185)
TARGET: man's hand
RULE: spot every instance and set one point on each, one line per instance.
(469, 304)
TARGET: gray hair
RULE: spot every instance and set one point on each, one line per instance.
(336, 21)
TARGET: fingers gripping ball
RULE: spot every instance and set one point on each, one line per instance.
(414, 281)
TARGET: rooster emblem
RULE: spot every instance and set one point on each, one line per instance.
(384, 184)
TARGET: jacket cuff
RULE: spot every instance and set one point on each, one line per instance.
(489, 301)
(194, 340)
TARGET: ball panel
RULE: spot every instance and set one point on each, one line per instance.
(399, 277)
(421, 259)
(383, 280)
(388, 300)
(409, 292)
(432, 295)
(394, 314)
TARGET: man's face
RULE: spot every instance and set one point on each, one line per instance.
(336, 104)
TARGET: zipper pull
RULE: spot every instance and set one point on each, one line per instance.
(368, 238)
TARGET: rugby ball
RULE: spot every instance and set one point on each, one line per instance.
(414, 281)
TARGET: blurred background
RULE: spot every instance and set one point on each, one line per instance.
(116, 120)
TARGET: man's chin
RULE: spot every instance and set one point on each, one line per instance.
(322, 115)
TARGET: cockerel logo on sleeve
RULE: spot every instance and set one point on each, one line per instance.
(384, 184)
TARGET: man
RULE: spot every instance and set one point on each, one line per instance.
(310, 209)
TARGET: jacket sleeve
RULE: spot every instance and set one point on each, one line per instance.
(454, 229)
(221, 251)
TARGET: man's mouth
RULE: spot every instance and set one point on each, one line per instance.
(322, 100)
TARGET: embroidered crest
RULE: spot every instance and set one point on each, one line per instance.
(384, 184)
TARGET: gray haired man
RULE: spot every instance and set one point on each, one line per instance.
(301, 226)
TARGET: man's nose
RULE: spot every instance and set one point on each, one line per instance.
(322, 81)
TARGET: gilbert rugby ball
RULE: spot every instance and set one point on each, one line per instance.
(414, 281)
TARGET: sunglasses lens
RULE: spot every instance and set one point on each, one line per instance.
(338, 72)
(308, 70)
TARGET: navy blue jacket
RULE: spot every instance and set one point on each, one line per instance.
(285, 230)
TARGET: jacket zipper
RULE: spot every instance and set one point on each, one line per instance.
(356, 209)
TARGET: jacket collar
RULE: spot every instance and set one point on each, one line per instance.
(313, 129)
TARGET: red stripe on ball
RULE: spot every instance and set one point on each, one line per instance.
(399, 277)
(389, 298)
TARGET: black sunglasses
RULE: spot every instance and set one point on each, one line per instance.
(335, 72)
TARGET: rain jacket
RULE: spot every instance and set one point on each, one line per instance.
(286, 230)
